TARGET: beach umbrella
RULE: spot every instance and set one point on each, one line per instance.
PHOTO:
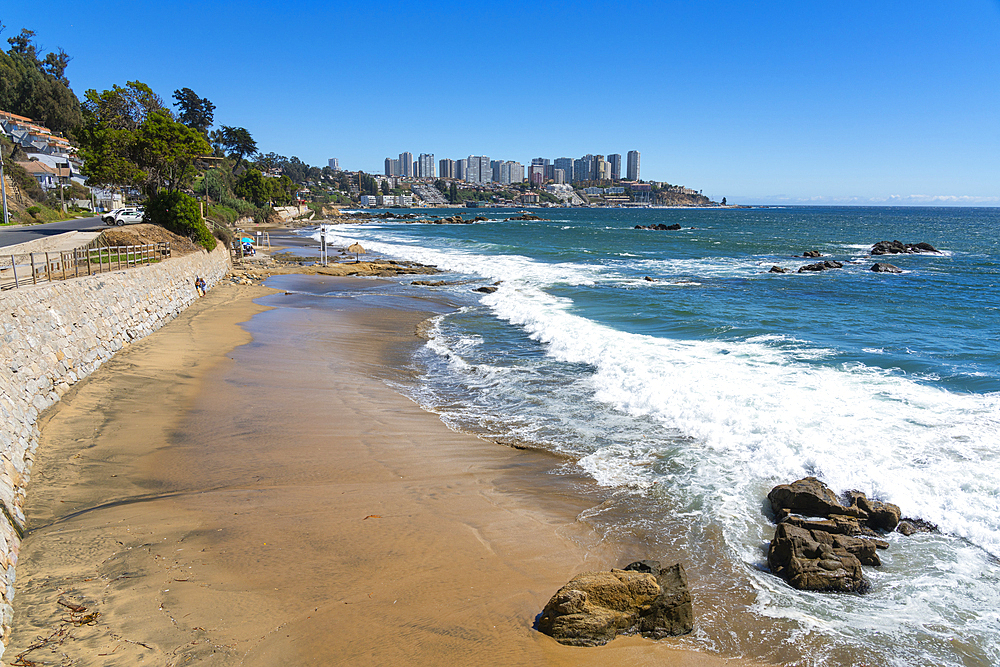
(356, 249)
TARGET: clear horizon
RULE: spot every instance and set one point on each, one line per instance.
(846, 104)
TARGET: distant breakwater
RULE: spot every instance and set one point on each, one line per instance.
(54, 335)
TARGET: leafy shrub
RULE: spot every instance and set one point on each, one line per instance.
(179, 213)
(33, 210)
(264, 215)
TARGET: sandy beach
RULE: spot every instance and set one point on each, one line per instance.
(242, 487)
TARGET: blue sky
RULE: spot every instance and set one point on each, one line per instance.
(781, 102)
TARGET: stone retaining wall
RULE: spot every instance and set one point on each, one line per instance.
(52, 336)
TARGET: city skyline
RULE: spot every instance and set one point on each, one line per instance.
(864, 103)
(538, 171)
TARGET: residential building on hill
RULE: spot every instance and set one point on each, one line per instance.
(425, 165)
(405, 164)
(632, 168)
(615, 164)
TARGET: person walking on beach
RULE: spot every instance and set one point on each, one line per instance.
(199, 285)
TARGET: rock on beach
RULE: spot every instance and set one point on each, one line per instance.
(595, 607)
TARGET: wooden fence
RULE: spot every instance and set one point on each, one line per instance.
(26, 269)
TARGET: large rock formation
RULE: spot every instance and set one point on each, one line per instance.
(826, 554)
(595, 607)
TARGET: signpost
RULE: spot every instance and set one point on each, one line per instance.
(322, 244)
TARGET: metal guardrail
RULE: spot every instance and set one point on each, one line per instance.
(33, 268)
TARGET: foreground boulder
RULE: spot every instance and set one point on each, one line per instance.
(595, 607)
(899, 248)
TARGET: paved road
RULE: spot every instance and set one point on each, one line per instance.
(23, 234)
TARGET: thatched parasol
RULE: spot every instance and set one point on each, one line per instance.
(356, 249)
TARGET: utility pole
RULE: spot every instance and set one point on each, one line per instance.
(3, 189)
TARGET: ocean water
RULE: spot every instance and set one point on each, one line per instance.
(689, 396)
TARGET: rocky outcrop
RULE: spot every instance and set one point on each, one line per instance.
(660, 227)
(777, 269)
(812, 254)
(527, 216)
(815, 560)
(882, 267)
(595, 607)
(821, 266)
(899, 248)
(826, 554)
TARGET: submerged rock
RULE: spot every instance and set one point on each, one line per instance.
(595, 607)
(909, 526)
(882, 267)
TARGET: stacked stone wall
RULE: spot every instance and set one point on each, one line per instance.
(54, 335)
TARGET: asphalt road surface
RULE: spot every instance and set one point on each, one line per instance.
(23, 234)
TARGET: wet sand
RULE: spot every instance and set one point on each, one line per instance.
(257, 495)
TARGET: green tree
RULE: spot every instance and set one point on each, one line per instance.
(128, 138)
(237, 142)
(166, 150)
(195, 112)
(453, 193)
(385, 187)
(180, 214)
(252, 186)
(37, 88)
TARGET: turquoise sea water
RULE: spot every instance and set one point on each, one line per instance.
(690, 395)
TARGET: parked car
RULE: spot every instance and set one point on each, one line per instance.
(128, 216)
(108, 217)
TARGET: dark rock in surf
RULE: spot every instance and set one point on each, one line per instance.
(818, 561)
(486, 289)
(908, 526)
(821, 266)
(881, 516)
(900, 248)
(660, 227)
(595, 607)
(882, 267)
(810, 497)
(777, 269)
(812, 253)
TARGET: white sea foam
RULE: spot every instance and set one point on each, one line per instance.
(743, 416)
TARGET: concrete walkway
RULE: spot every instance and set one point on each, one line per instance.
(58, 243)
